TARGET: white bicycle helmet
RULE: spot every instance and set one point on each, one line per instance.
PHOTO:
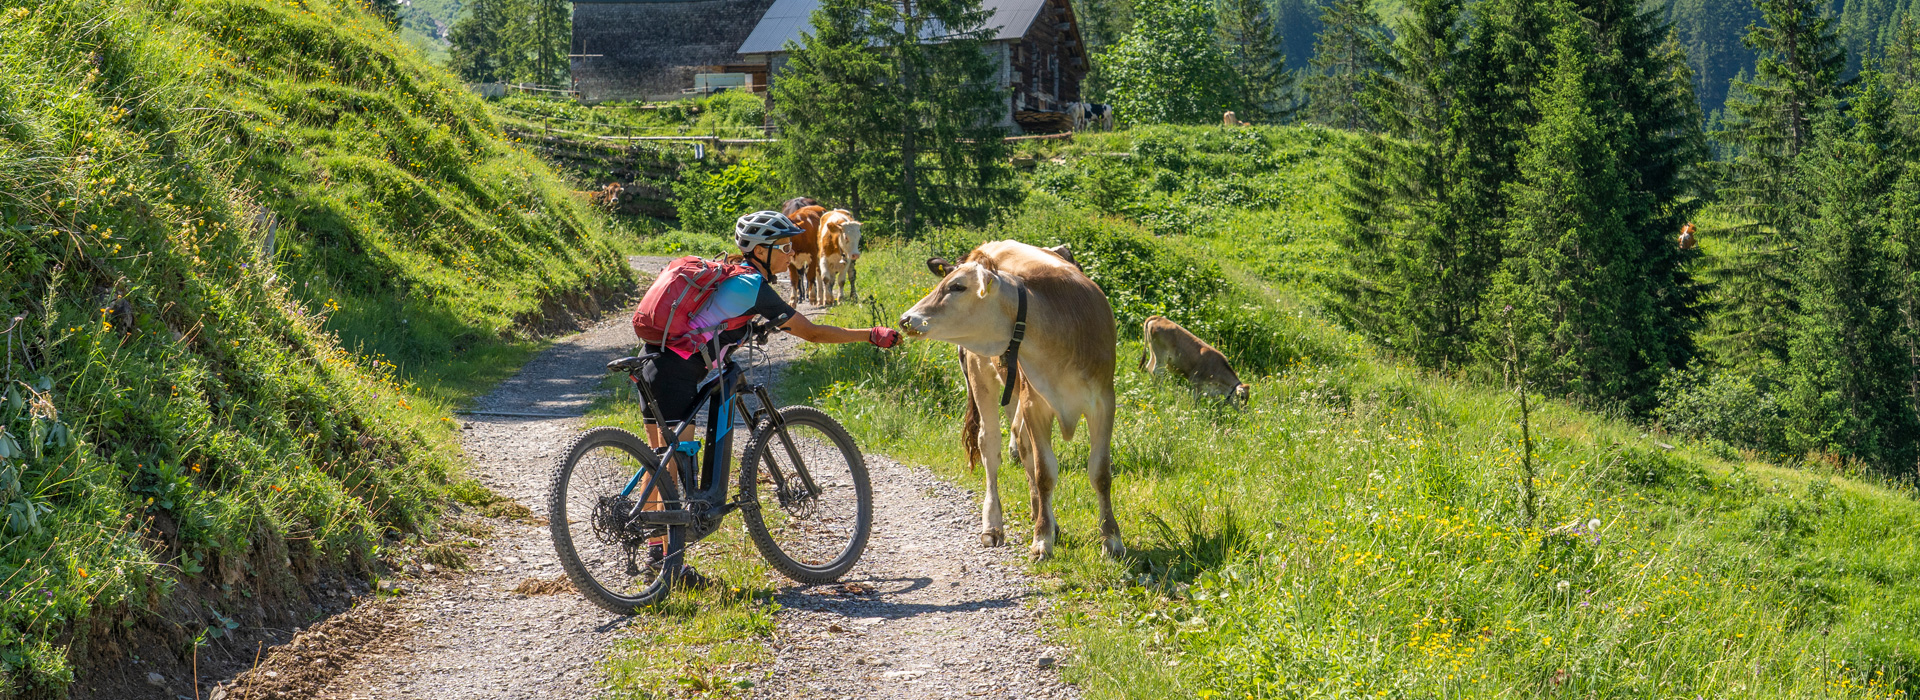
(762, 228)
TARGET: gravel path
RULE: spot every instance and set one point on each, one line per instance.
(937, 616)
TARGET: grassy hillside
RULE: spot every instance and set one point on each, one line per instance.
(204, 205)
(1359, 530)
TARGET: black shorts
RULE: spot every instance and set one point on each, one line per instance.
(675, 383)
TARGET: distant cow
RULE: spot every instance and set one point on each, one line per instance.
(1171, 347)
(1065, 371)
(796, 204)
(839, 250)
(1088, 115)
(802, 270)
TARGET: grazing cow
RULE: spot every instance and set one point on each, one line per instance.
(801, 270)
(1063, 369)
(1687, 241)
(1171, 347)
(796, 204)
(839, 250)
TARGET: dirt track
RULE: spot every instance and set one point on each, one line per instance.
(945, 617)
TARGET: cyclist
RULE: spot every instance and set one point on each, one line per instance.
(764, 239)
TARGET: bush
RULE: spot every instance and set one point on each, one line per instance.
(709, 202)
(1735, 407)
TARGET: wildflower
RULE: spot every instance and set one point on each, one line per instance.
(1562, 586)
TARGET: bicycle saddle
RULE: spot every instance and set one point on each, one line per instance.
(629, 364)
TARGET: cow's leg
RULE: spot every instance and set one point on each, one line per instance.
(1100, 470)
(827, 280)
(1033, 434)
(793, 279)
(813, 284)
(983, 389)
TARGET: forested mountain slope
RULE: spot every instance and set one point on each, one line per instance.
(1711, 31)
(203, 205)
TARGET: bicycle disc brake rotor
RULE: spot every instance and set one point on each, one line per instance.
(798, 503)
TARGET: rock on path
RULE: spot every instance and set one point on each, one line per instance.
(944, 618)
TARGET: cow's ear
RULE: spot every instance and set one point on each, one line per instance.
(939, 266)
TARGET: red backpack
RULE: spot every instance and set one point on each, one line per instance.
(665, 314)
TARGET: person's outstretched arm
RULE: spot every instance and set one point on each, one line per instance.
(812, 332)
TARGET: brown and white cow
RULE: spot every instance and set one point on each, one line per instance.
(801, 270)
(839, 250)
(1171, 347)
(1065, 366)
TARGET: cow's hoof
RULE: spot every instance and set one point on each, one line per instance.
(1040, 550)
(993, 538)
(1113, 546)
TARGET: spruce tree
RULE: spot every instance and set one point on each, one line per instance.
(1850, 371)
(1768, 123)
(953, 157)
(1571, 275)
(1415, 269)
(1346, 57)
(875, 115)
(1646, 87)
(836, 109)
(512, 40)
(1265, 86)
(479, 53)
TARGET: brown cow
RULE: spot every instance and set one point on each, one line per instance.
(796, 204)
(839, 250)
(1065, 370)
(1171, 347)
(801, 270)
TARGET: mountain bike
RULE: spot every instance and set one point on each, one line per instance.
(802, 490)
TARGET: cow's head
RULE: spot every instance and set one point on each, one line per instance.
(850, 238)
(970, 304)
(1241, 394)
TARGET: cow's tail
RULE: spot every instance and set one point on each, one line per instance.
(970, 426)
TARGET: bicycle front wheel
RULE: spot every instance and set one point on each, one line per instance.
(604, 552)
(812, 507)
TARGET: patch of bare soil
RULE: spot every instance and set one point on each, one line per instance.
(301, 668)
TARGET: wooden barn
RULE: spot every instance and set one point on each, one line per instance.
(663, 49)
(1037, 43)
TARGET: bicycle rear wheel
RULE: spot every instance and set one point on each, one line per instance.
(814, 504)
(604, 553)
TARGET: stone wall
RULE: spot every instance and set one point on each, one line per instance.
(650, 49)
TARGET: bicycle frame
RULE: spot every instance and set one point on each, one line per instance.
(709, 487)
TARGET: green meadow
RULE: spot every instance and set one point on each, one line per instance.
(1360, 530)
